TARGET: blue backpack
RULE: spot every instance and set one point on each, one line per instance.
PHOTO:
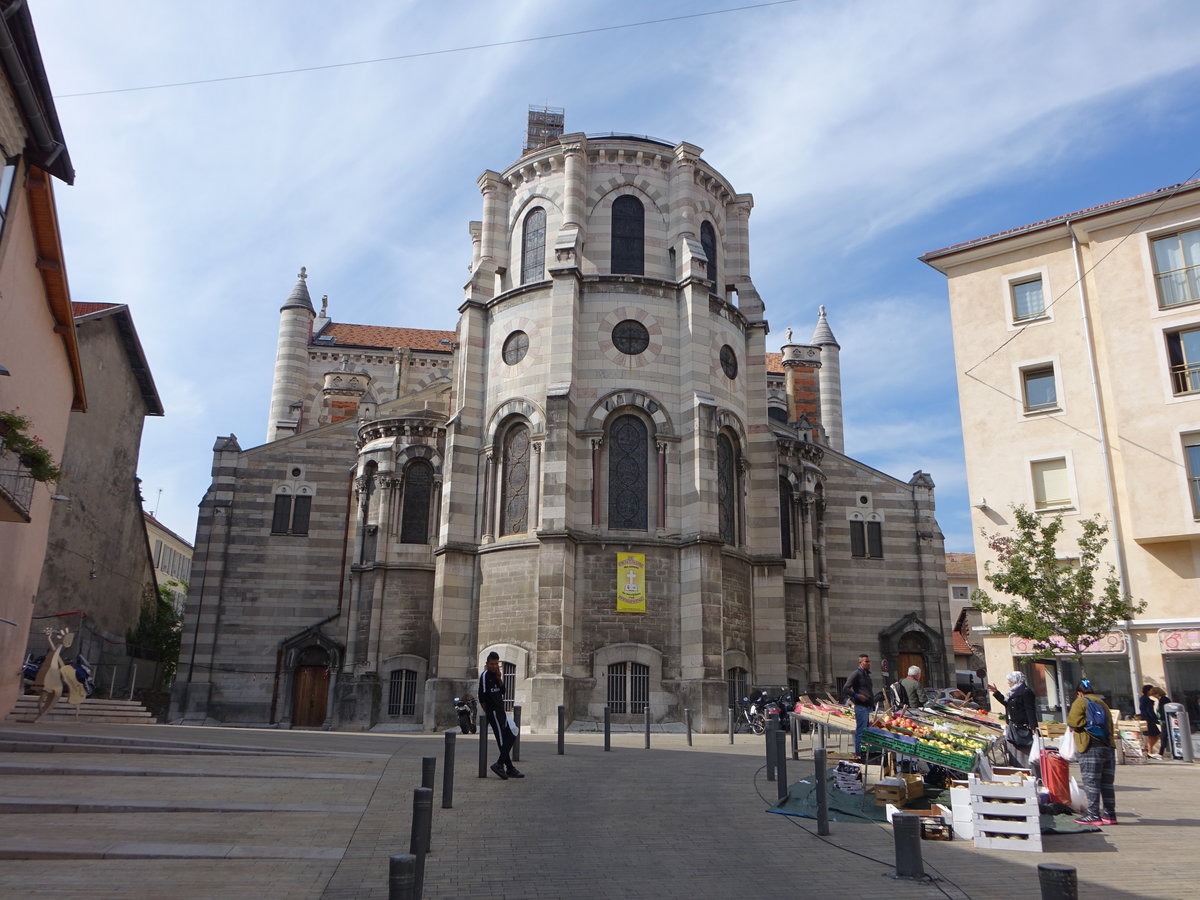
(1096, 723)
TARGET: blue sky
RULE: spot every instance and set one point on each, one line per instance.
(868, 133)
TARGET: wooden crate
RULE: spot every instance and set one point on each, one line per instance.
(1004, 813)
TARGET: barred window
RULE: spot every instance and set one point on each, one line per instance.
(628, 236)
(628, 688)
(418, 494)
(402, 693)
(533, 246)
(628, 474)
(514, 499)
(736, 679)
(708, 240)
(509, 670)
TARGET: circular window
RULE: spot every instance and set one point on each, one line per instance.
(728, 362)
(516, 345)
(295, 471)
(630, 337)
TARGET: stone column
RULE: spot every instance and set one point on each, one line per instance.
(660, 513)
(535, 487)
(597, 459)
(490, 486)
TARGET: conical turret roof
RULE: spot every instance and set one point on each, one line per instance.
(823, 334)
(299, 295)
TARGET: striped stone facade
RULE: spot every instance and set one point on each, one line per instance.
(607, 391)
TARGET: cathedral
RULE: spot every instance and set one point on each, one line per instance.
(602, 474)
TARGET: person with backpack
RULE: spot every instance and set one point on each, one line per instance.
(1095, 749)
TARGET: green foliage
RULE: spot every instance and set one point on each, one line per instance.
(15, 439)
(1058, 606)
(158, 633)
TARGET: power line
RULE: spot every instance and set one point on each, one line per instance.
(424, 53)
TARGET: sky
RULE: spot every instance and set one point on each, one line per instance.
(868, 133)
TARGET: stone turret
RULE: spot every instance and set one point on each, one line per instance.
(831, 382)
(291, 361)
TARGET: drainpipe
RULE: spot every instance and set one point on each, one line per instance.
(1118, 541)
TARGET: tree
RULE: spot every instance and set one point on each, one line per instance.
(158, 633)
(1058, 607)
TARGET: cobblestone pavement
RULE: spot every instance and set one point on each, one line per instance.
(187, 812)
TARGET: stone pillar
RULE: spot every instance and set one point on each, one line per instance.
(494, 233)
(802, 365)
(489, 496)
(660, 513)
(597, 460)
(574, 182)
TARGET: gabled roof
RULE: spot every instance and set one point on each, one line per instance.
(383, 337)
(961, 647)
(161, 527)
(119, 312)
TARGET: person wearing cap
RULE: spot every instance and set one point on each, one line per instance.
(1097, 758)
(491, 698)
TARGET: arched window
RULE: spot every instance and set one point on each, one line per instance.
(628, 236)
(736, 679)
(533, 246)
(628, 687)
(418, 494)
(726, 489)
(708, 240)
(786, 545)
(628, 474)
(514, 496)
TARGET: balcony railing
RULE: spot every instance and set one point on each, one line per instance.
(1178, 286)
(16, 489)
(1186, 378)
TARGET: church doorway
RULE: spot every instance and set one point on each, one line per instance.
(310, 694)
(912, 649)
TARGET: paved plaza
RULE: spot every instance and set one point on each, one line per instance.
(181, 812)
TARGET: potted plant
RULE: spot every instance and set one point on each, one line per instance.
(15, 439)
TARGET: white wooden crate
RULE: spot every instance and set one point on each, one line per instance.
(1029, 842)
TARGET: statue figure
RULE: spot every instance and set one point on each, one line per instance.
(54, 675)
(787, 335)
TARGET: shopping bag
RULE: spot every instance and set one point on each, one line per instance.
(1066, 746)
(1078, 799)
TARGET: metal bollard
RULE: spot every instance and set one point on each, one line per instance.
(607, 728)
(448, 772)
(1058, 882)
(483, 730)
(647, 726)
(770, 736)
(781, 764)
(821, 780)
(907, 830)
(402, 877)
(516, 748)
(794, 721)
(418, 839)
(730, 724)
(687, 718)
(562, 730)
(428, 770)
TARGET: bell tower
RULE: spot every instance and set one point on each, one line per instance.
(291, 361)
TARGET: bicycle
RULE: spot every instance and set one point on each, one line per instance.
(748, 718)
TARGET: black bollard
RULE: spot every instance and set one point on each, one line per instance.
(402, 877)
(448, 772)
(516, 749)
(647, 726)
(794, 721)
(821, 780)
(730, 724)
(428, 770)
(781, 764)
(418, 846)
(483, 730)
(770, 739)
(607, 728)
(907, 830)
(687, 718)
(562, 730)
(1058, 882)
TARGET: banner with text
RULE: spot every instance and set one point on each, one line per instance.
(631, 582)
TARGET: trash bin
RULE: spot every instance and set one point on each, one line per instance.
(1056, 776)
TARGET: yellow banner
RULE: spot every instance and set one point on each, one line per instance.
(631, 582)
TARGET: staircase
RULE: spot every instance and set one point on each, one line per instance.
(94, 711)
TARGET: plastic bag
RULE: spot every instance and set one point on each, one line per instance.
(1066, 746)
(512, 725)
(1078, 800)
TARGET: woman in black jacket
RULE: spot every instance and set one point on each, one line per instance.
(1020, 711)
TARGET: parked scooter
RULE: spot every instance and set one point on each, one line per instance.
(465, 707)
(83, 674)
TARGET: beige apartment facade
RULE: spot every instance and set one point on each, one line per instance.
(1077, 346)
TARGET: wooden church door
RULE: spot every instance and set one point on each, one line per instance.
(311, 692)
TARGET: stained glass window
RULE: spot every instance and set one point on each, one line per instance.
(726, 489)
(418, 493)
(708, 240)
(628, 475)
(514, 500)
(533, 246)
(628, 236)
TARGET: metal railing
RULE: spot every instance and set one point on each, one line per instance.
(1178, 286)
(16, 486)
(1185, 378)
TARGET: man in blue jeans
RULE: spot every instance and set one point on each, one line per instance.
(862, 694)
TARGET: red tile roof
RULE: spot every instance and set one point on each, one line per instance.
(775, 363)
(384, 337)
(961, 564)
(1057, 220)
(86, 309)
(961, 646)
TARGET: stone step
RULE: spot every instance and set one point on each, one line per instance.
(94, 710)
